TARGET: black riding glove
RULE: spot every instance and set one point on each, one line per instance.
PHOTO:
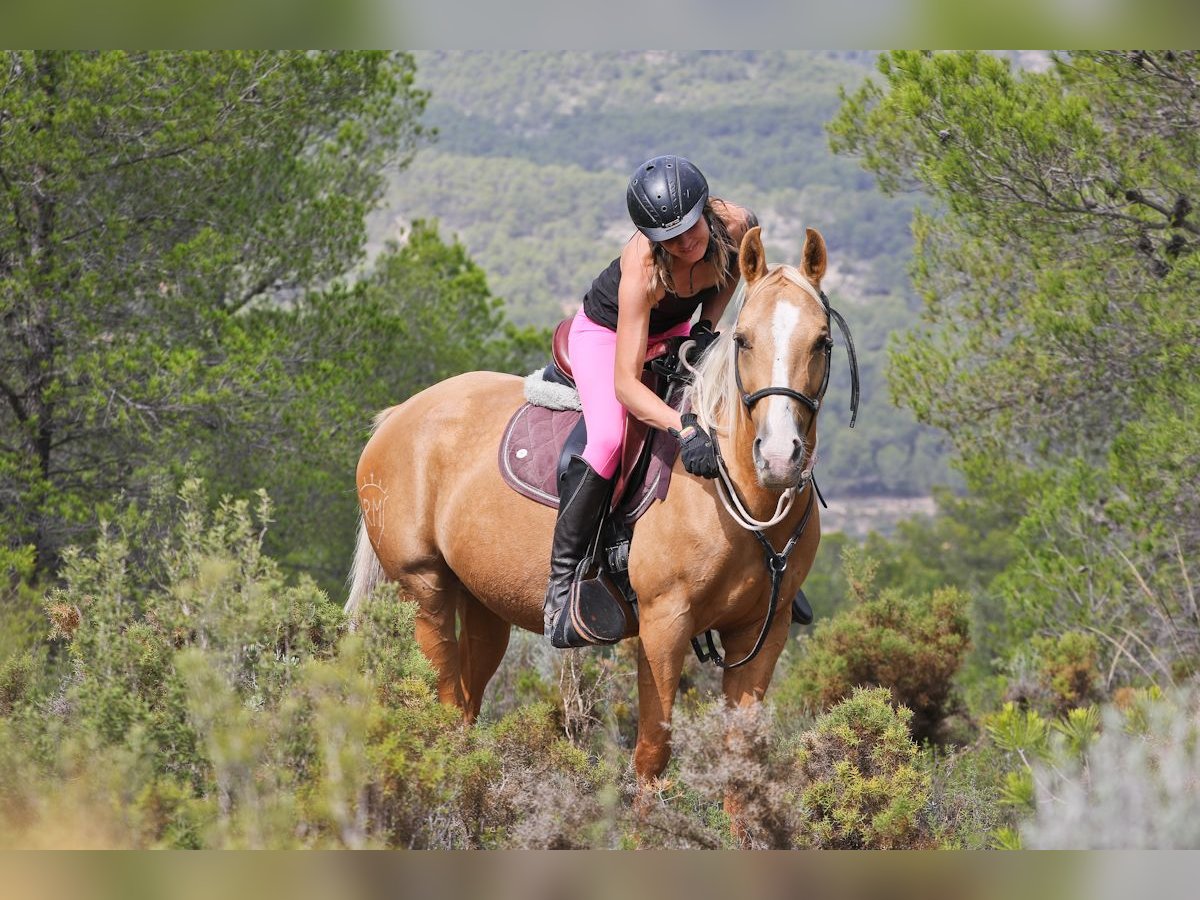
(702, 333)
(696, 447)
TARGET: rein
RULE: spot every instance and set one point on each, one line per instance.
(776, 562)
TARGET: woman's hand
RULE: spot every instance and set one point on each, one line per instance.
(696, 447)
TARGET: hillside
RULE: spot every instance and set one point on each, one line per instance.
(529, 169)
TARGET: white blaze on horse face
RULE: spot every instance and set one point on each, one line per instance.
(779, 432)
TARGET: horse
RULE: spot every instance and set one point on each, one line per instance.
(473, 555)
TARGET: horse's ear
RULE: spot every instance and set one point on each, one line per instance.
(752, 259)
(812, 257)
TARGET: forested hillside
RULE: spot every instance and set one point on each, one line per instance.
(529, 170)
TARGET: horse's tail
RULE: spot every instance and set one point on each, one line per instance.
(366, 573)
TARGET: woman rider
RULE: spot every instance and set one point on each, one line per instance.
(683, 258)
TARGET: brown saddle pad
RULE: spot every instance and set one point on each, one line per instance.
(532, 444)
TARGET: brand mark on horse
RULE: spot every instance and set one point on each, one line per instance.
(372, 497)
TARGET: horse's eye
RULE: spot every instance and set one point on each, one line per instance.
(825, 344)
(740, 341)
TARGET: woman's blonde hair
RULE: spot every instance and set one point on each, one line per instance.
(719, 252)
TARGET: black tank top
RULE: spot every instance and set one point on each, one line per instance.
(600, 302)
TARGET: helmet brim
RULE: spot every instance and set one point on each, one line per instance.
(690, 218)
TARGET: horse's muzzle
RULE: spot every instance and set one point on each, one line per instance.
(779, 465)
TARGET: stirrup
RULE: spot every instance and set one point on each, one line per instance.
(592, 615)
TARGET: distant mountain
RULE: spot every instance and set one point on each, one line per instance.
(535, 147)
(529, 171)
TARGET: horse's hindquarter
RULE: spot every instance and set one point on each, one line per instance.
(433, 460)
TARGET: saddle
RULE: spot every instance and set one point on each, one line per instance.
(548, 429)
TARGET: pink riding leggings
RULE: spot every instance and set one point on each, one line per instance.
(593, 350)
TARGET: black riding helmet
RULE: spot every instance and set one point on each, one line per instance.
(665, 197)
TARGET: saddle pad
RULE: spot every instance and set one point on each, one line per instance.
(531, 445)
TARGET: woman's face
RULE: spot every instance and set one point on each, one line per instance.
(690, 246)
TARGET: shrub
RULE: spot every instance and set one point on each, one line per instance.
(734, 752)
(965, 811)
(861, 783)
(911, 645)
(1030, 743)
(187, 711)
(549, 793)
(16, 673)
(22, 626)
(1135, 786)
(854, 780)
(1068, 668)
(206, 701)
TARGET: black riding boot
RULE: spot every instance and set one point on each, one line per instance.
(583, 496)
(802, 613)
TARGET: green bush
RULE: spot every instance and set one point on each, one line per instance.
(854, 780)
(16, 673)
(22, 626)
(728, 752)
(1069, 668)
(911, 645)
(197, 698)
(206, 701)
(1029, 744)
(965, 810)
(180, 710)
(862, 786)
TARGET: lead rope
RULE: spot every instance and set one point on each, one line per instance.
(740, 515)
(728, 493)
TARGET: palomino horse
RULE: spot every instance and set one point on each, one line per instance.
(474, 555)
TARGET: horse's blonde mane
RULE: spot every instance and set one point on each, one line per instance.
(713, 390)
(713, 393)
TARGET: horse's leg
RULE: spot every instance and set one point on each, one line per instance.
(665, 632)
(438, 592)
(745, 687)
(665, 635)
(482, 641)
(747, 684)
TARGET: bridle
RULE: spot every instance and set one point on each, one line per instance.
(726, 490)
(776, 561)
(813, 403)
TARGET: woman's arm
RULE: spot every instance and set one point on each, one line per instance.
(633, 327)
(714, 306)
